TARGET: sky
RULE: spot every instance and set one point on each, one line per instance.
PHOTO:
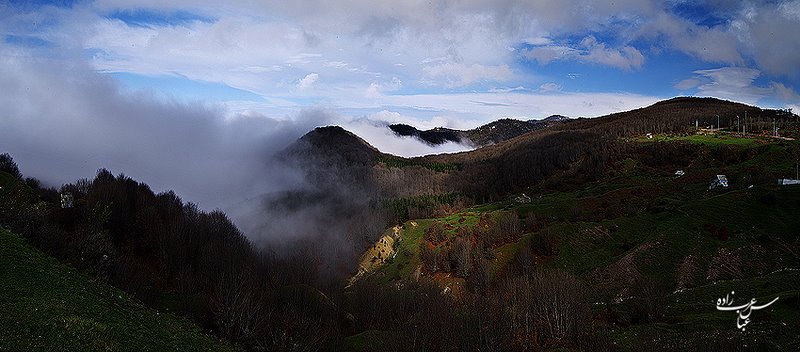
(154, 87)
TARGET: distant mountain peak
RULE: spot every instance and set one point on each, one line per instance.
(325, 133)
(332, 142)
(556, 118)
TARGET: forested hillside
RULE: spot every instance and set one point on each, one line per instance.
(173, 257)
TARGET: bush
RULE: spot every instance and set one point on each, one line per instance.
(544, 243)
(531, 222)
(427, 255)
(30, 222)
(510, 228)
(435, 233)
(460, 256)
(96, 253)
(648, 301)
(478, 279)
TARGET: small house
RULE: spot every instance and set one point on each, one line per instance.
(788, 181)
(523, 198)
(720, 181)
(679, 173)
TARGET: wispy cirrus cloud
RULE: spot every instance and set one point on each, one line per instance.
(737, 84)
(588, 50)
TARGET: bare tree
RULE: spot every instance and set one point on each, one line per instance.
(510, 227)
(560, 308)
(460, 256)
(237, 306)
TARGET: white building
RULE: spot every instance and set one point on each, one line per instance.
(720, 181)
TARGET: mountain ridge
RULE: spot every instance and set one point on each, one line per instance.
(677, 114)
(491, 133)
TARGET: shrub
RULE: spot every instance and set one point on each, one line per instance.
(648, 300)
(544, 243)
(427, 256)
(510, 227)
(460, 256)
(435, 233)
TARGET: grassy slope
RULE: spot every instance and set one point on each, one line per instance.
(663, 236)
(46, 306)
(659, 243)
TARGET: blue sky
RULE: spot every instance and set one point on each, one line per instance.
(455, 63)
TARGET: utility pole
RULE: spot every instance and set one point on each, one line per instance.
(737, 124)
(718, 123)
(744, 128)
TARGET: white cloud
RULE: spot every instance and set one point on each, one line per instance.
(790, 9)
(688, 83)
(459, 75)
(711, 44)
(538, 41)
(508, 90)
(549, 87)
(773, 40)
(485, 107)
(376, 89)
(377, 133)
(732, 83)
(589, 50)
(336, 64)
(308, 81)
(737, 84)
(785, 93)
(549, 53)
(373, 91)
(626, 58)
(786, 96)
